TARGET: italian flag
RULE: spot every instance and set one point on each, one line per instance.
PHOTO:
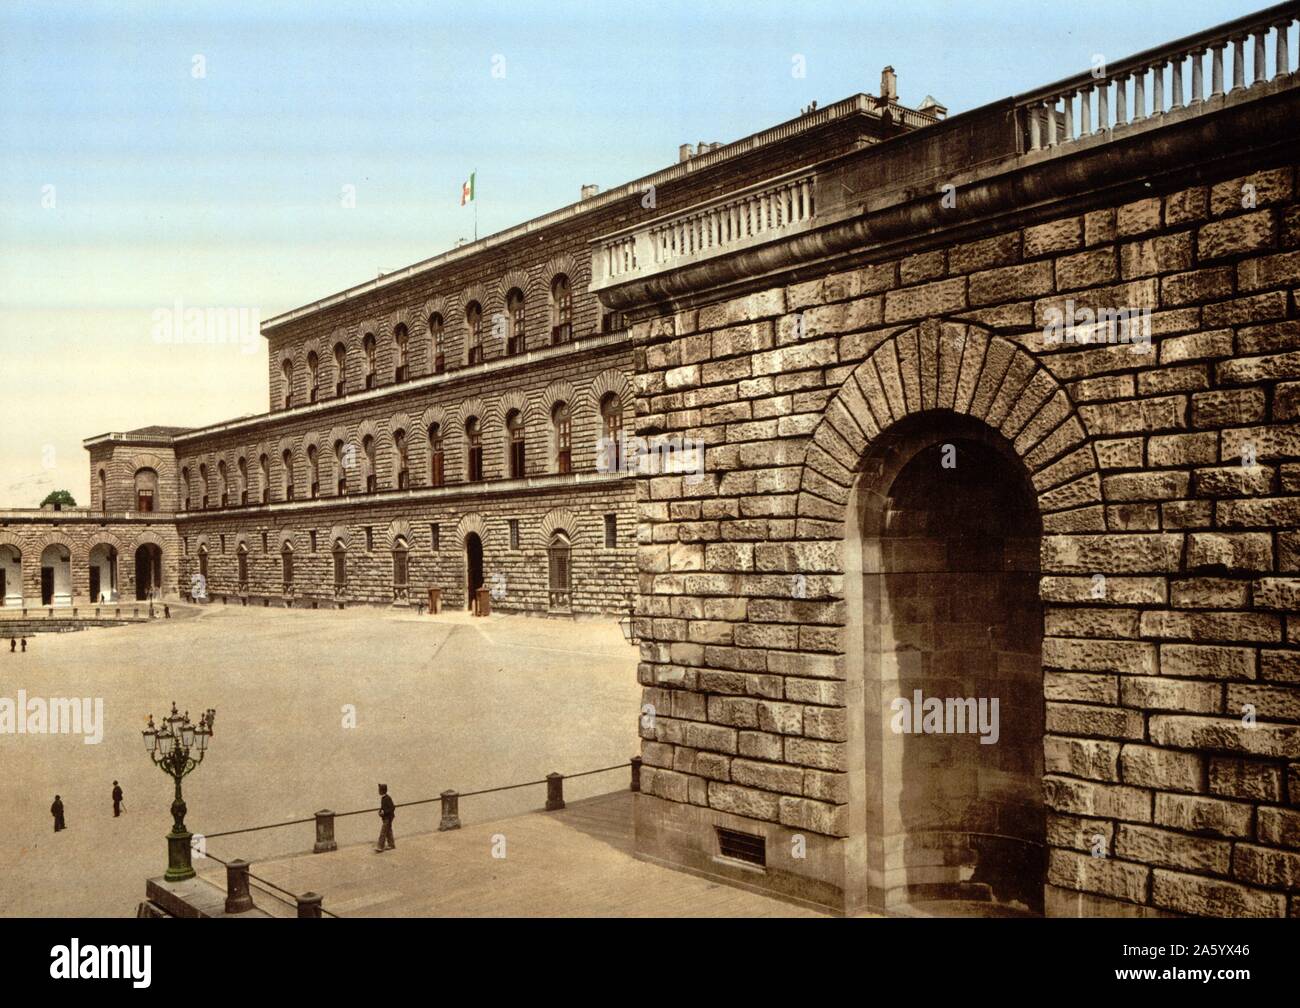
(467, 190)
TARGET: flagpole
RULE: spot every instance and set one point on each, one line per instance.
(474, 176)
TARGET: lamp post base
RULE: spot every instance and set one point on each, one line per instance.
(179, 866)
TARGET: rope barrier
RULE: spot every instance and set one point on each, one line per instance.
(407, 804)
(267, 886)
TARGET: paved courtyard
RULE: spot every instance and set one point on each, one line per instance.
(440, 702)
(577, 862)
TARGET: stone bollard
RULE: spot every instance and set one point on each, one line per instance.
(450, 811)
(167, 612)
(554, 792)
(13, 644)
(309, 904)
(238, 897)
(324, 832)
(636, 773)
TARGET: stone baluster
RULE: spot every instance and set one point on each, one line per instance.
(1035, 136)
(1239, 63)
(1140, 95)
(1176, 87)
(1198, 77)
(1085, 111)
(1103, 106)
(1051, 124)
(1068, 103)
(1121, 100)
(1283, 58)
(1261, 61)
(1216, 69)
(1158, 90)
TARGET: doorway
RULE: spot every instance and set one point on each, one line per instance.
(148, 572)
(473, 567)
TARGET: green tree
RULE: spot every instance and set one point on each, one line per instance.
(60, 497)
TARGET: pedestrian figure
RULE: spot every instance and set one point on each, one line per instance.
(56, 810)
(387, 810)
(117, 800)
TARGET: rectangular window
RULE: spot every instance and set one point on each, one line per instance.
(611, 531)
(263, 542)
(742, 846)
(313, 540)
(475, 463)
(340, 568)
(434, 535)
(185, 545)
(514, 533)
(399, 568)
(223, 542)
(370, 537)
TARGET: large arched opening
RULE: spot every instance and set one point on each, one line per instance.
(946, 630)
(56, 575)
(148, 571)
(473, 567)
(102, 573)
(11, 575)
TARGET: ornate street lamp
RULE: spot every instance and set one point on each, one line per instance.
(176, 749)
(626, 622)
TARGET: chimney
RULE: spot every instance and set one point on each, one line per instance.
(589, 190)
(685, 152)
(889, 84)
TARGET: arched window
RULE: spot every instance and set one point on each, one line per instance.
(264, 474)
(436, 344)
(368, 351)
(340, 368)
(403, 461)
(185, 485)
(562, 434)
(340, 567)
(435, 455)
(287, 460)
(243, 480)
(203, 482)
(515, 341)
(558, 555)
(611, 421)
(474, 332)
(286, 372)
(286, 566)
(223, 484)
(146, 490)
(401, 567)
(313, 377)
(313, 471)
(473, 450)
(515, 443)
(368, 447)
(561, 309)
(241, 556)
(341, 466)
(103, 502)
(400, 341)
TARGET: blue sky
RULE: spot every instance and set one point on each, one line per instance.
(225, 189)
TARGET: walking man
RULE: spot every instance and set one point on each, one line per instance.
(117, 800)
(56, 810)
(387, 810)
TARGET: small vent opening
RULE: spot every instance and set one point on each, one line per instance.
(742, 846)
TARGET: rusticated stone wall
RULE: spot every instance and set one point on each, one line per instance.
(1168, 487)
